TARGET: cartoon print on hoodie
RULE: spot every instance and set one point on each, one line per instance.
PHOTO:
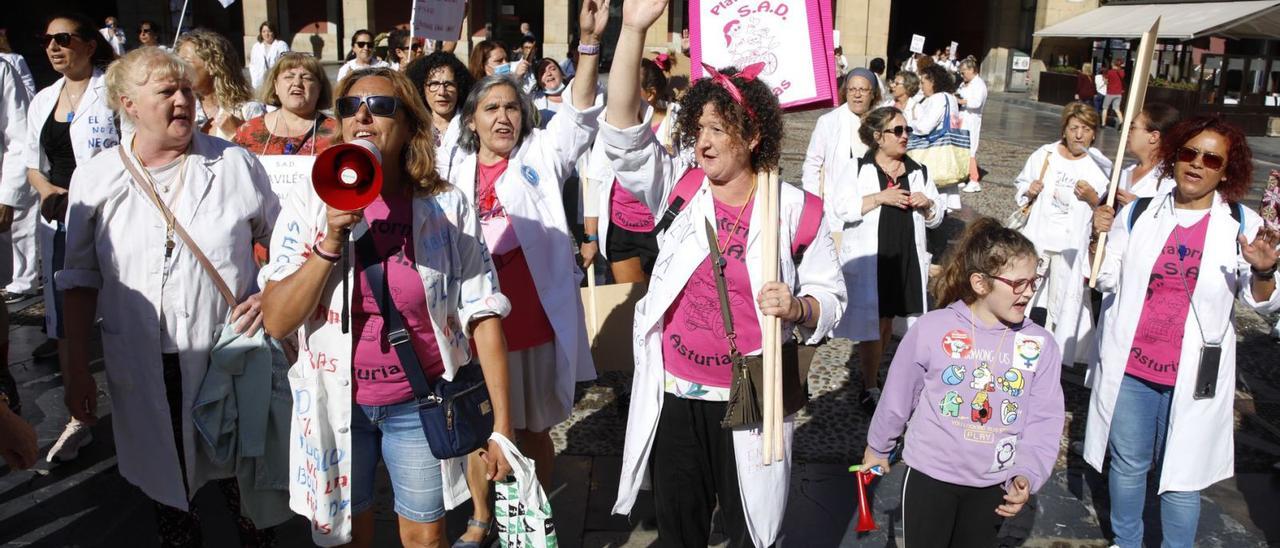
(951, 404)
(980, 409)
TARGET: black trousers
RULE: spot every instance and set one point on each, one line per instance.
(936, 513)
(693, 468)
(178, 528)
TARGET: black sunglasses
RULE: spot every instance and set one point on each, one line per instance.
(897, 131)
(1209, 159)
(145, 30)
(379, 105)
(62, 38)
(363, 45)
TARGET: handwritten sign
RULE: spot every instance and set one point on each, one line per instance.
(955, 50)
(792, 38)
(287, 171)
(917, 43)
(437, 19)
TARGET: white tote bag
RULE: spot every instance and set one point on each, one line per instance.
(521, 508)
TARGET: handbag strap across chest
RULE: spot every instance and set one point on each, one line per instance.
(397, 334)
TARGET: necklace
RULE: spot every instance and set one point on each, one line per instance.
(289, 147)
(736, 221)
(73, 99)
(973, 329)
(169, 218)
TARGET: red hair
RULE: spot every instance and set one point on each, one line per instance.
(1238, 173)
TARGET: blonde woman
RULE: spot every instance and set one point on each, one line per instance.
(224, 99)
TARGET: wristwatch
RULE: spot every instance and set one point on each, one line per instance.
(591, 237)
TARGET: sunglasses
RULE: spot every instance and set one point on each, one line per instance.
(1020, 286)
(897, 131)
(363, 45)
(62, 38)
(145, 31)
(1210, 160)
(379, 105)
(416, 47)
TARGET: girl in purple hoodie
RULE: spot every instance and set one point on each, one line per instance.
(975, 386)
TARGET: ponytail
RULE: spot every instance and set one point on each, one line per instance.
(985, 248)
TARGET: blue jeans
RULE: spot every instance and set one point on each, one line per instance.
(394, 434)
(1138, 428)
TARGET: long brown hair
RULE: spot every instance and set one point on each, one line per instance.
(419, 157)
(985, 248)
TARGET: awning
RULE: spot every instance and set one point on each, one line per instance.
(1245, 19)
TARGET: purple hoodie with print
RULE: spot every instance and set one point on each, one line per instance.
(980, 404)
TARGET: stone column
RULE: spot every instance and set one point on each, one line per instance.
(864, 30)
(555, 28)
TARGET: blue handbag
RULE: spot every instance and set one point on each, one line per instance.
(456, 415)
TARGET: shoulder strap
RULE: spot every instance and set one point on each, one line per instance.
(138, 179)
(396, 332)
(807, 231)
(722, 290)
(684, 190)
(1237, 213)
(1139, 206)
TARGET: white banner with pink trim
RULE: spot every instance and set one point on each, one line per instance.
(791, 38)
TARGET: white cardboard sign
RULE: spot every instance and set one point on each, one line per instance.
(287, 171)
(437, 19)
(917, 43)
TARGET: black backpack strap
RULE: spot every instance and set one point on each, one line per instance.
(1139, 206)
(669, 216)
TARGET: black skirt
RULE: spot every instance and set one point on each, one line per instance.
(897, 264)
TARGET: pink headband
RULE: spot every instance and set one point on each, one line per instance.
(725, 81)
(662, 59)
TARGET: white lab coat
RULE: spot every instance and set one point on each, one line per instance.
(1199, 449)
(974, 93)
(1149, 185)
(860, 242)
(530, 191)
(646, 170)
(115, 37)
(93, 130)
(20, 64)
(449, 154)
(831, 162)
(1074, 322)
(14, 102)
(909, 110)
(262, 57)
(598, 176)
(116, 244)
(458, 276)
(931, 111)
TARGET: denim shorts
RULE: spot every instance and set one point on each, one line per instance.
(393, 433)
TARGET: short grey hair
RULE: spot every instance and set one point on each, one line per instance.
(468, 140)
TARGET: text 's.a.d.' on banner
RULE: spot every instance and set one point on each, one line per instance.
(790, 37)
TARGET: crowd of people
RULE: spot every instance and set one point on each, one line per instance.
(152, 191)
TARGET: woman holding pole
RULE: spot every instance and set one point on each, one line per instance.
(712, 252)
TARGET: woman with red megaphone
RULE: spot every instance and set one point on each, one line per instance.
(515, 175)
(357, 397)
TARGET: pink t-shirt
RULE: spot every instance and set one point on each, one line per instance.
(1157, 343)
(694, 345)
(379, 378)
(627, 212)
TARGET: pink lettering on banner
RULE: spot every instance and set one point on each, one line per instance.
(319, 361)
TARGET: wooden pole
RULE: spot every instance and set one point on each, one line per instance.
(779, 440)
(1137, 96)
(593, 314)
(768, 272)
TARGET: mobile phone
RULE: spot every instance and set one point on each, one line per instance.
(1207, 374)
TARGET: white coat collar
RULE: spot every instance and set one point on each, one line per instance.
(204, 155)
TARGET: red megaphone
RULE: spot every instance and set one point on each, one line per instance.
(348, 176)
(866, 522)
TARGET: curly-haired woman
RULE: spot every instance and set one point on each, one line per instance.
(1164, 388)
(224, 99)
(683, 370)
(442, 80)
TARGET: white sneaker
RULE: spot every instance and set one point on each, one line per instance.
(74, 436)
(973, 186)
(961, 185)
(953, 202)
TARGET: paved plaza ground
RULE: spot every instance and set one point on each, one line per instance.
(86, 503)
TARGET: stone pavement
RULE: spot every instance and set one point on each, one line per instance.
(86, 503)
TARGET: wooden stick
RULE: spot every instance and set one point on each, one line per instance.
(769, 233)
(779, 440)
(1133, 107)
(593, 314)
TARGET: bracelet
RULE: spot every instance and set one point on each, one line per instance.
(1264, 275)
(589, 49)
(591, 237)
(333, 259)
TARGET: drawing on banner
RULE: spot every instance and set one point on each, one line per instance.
(741, 33)
(917, 43)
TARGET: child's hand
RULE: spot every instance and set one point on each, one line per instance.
(871, 458)
(1016, 495)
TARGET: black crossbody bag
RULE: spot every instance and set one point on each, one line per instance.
(456, 415)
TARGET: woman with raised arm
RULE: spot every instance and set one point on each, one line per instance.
(709, 260)
(514, 175)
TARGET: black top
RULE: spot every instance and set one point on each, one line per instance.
(55, 140)
(897, 264)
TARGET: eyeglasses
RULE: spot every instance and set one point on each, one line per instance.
(893, 83)
(379, 105)
(897, 131)
(416, 47)
(363, 45)
(145, 31)
(62, 38)
(859, 91)
(435, 86)
(1211, 160)
(1020, 286)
